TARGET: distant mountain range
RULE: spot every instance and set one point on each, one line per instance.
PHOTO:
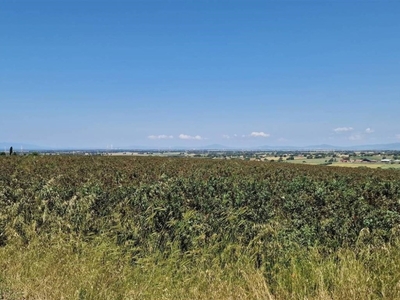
(380, 147)
(324, 147)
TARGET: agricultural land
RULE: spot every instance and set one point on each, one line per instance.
(214, 226)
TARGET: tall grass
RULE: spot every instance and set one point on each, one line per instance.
(102, 271)
(108, 228)
(62, 269)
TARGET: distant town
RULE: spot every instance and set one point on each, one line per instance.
(373, 158)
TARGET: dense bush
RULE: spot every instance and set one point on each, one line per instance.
(164, 206)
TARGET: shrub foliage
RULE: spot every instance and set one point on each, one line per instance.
(165, 207)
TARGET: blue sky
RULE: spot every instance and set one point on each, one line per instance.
(189, 73)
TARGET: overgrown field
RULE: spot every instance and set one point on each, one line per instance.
(175, 228)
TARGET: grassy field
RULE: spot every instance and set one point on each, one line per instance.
(367, 165)
(303, 160)
(321, 161)
(176, 228)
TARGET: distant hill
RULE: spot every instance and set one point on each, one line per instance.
(325, 147)
(322, 147)
(217, 147)
(393, 146)
(379, 147)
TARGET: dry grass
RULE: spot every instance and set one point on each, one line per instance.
(102, 271)
(105, 272)
(367, 165)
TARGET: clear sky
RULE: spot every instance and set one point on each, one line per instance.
(198, 72)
